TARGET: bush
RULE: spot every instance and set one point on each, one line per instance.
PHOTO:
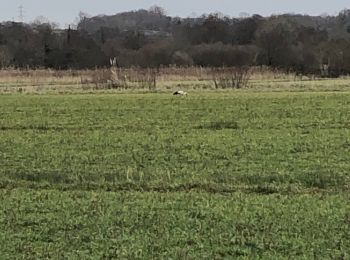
(235, 77)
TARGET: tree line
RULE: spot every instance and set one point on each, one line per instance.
(150, 38)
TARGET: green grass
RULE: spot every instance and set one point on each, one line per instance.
(212, 175)
(54, 224)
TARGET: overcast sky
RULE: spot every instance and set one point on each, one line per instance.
(65, 11)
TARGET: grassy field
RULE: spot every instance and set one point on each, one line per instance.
(210, 176)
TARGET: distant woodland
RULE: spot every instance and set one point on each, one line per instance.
(150, 38)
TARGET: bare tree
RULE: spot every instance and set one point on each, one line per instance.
(155, 9)
(5, 57)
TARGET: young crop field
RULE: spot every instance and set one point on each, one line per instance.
(214, 175)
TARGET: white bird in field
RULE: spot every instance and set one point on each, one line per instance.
(180, 93)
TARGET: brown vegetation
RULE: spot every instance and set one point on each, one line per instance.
(147, 79)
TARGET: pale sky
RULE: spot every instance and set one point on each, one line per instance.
(65, 11)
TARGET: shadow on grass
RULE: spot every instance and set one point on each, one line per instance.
(219, 125)
(127, 127)
(264, 185)
(31, 127)
(323, 180)
(40, 177)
